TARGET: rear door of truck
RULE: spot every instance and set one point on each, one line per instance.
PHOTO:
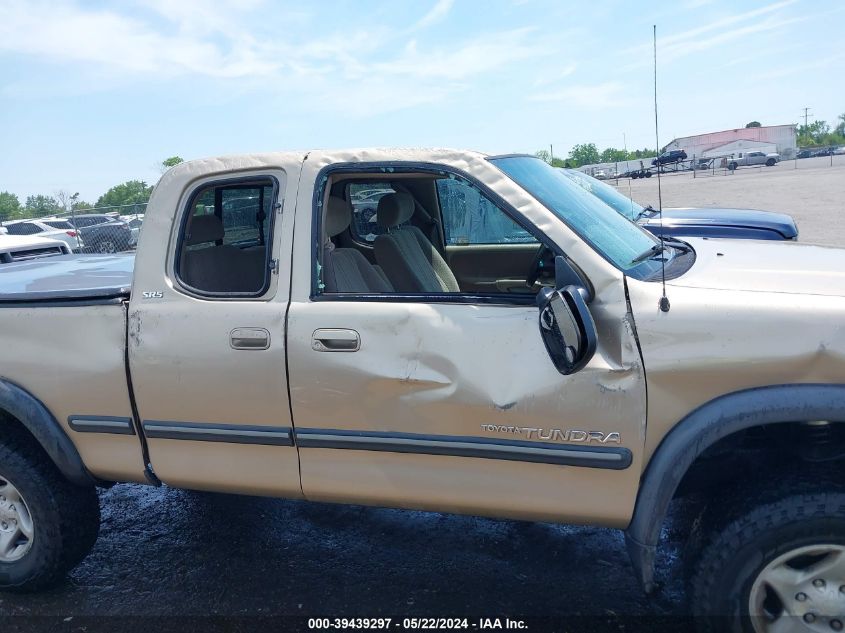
(206, 327)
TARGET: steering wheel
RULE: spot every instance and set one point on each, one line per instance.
(536, 266)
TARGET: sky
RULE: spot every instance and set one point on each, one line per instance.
(96, 93)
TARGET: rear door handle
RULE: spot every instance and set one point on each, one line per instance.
(335, 340)
(249, 338)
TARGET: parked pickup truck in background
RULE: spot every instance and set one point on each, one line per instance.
(753, 158)
(502, 347)
(692, 222)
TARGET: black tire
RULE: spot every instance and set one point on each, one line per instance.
(732, 166)
(65, 517)
(106, 247)
(738, 552)
(770, 162)
(647, 174)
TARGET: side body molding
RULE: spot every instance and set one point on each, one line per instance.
(38, 420)
(704, 427)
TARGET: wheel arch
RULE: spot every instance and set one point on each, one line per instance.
(709, 423)
(27, 410)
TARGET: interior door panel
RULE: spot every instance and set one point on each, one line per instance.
(487, 268)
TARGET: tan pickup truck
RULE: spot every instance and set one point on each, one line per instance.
(442, 330)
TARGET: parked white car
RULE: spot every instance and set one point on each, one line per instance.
(52, 228)
(21, 248)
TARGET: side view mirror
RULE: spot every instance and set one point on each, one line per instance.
(567, 328)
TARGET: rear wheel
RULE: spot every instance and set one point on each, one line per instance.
(778, 568)
(732, 166)
(106, 246)
(47, 524)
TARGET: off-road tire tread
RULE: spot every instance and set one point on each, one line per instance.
(744, 530)
(70, 515)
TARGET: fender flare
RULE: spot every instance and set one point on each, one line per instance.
(704, 427)
(42, 425)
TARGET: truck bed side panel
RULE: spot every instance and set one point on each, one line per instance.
(72, 359)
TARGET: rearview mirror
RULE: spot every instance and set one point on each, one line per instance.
(567, 328)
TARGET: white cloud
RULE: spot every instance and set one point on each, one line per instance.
(63, 33)
(439, 11)
(363, 68)
(602, 95)
(714, 33)
(554, 77)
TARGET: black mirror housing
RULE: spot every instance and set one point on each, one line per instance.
(566, 275)
(567, 328)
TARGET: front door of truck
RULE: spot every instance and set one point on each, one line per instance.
(450, 401)
(206, 334)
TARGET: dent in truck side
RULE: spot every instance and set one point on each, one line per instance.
(440, 381)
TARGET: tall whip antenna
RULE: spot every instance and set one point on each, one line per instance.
(664, 300)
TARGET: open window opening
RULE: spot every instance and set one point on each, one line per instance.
(425, 233)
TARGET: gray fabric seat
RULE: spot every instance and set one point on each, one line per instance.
(219, 267)
(407, 256)
(346, 269)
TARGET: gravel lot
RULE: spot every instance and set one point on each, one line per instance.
(809, 190)
(184, 555)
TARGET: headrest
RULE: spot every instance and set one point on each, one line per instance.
(204, 228)
(394, 209)
(338, 215)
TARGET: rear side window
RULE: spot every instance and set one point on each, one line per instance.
(364, 198)
(23, 228)
(60, 224)
(225, 245)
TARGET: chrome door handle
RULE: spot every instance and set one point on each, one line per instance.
(249, 338)
(335, 340)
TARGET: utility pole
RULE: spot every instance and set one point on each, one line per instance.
(551, 154)
(807, 115)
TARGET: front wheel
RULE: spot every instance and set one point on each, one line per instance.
(780, 567)
(732, 166)
(47, 524)
(770, 162)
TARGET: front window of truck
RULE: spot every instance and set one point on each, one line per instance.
(615, 237)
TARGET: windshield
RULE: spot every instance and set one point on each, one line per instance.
(615, 237)
(606, 193)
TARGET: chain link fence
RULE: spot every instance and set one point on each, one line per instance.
(104, 230)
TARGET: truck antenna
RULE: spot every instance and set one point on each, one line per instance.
(664, 300)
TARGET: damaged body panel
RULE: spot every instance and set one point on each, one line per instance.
(427, 329)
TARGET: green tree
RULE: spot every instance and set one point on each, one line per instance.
(40, 205)
(641, 153)
(543, 155)
(814, 133)
(130, 192)
(584, 154)
(167, 163)
(613, 155)
(840, 128)
(10, 206)
(753, 124)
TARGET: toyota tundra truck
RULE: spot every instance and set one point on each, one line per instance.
(493, 340)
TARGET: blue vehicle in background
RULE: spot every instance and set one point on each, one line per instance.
(692, 222)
